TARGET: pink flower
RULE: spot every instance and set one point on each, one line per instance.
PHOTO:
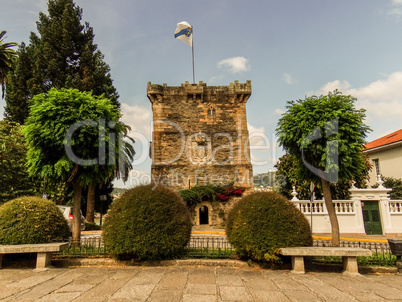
(222, 196)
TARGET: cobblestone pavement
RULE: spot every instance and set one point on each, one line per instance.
(192, 284)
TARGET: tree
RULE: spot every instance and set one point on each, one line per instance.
(71, 137)
(325, 136)
(265, 179)
(6, 58)
(122, 171)
(62, 55)
(288, 176)
(395, 184)
(19, 86)
(65, 55)
(14, 179)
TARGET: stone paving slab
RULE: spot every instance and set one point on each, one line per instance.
(193, 284)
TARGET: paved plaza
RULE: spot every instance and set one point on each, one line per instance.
(192, 284)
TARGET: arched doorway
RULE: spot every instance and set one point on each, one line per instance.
(204, 215)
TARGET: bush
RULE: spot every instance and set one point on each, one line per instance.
(30, 220)
(261, 223)
(147, 223)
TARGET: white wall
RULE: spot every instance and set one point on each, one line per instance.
(349, 212)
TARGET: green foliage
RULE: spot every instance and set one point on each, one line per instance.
(395, 184)
(326, 132)
(289, 176)
(51, 116)
(29, 220)
(6, 57)
(265, 179)
(262, 222)
(62, 54)
(14, 179)
(19, 86)
(92, 227)
(147, 223)
(198, 194)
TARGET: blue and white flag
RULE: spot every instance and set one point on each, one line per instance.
(184, 32)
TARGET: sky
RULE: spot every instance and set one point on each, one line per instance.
(289, 49)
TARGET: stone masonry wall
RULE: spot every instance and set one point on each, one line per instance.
(200, 134)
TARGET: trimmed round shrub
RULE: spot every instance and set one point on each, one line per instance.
(147, 223)
(262, 222)
(30, 220)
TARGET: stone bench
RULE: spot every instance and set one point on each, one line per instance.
(44, 251)
(348, 254)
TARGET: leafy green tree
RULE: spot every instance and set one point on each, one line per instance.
(265, 179)
(14, 178)
(6, 58)
(325, 136)
(62, 55)
(395, 184)
(19, 86)
(126, 158)
(65, 55)
(289, 176)
(71, 137)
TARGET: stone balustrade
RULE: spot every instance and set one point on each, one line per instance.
(350, 212)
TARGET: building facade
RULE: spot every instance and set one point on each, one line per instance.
(200, 135)
(385, 155)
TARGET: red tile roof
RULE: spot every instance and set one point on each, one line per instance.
(385, 140)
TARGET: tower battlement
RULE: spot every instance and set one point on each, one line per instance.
(235, 92)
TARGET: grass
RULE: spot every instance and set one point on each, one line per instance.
(377, 259)
(89, 250)
(210, 253)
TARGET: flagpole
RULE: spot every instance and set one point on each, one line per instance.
(192, 50)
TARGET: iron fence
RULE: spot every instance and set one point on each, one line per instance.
(199, 246)
(375, 247)
(89, 247)
(219, 247)
(381, 252)
(215, 247)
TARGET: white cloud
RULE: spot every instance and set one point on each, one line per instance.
(382, 99)
(138, 118)
(235, 64)
(288, 78)
(279, 111)
(395, 10)
(331, 86)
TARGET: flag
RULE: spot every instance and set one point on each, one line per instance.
(184, 32)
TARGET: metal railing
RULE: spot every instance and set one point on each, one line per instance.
(199, 246)
(215, 247)
(219, 247)
(381, 252)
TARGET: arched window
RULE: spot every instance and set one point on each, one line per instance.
(204, 215)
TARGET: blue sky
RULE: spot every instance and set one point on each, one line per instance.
(288, 49)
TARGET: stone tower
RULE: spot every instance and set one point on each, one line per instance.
(200, 135)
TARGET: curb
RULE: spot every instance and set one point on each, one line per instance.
(112, 263)
(208, 233)
(351, 239)
(109, 262)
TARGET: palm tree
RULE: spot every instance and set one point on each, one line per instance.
(123, 168)
(6, 59)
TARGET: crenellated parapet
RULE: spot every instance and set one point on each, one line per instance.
(234, 93)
